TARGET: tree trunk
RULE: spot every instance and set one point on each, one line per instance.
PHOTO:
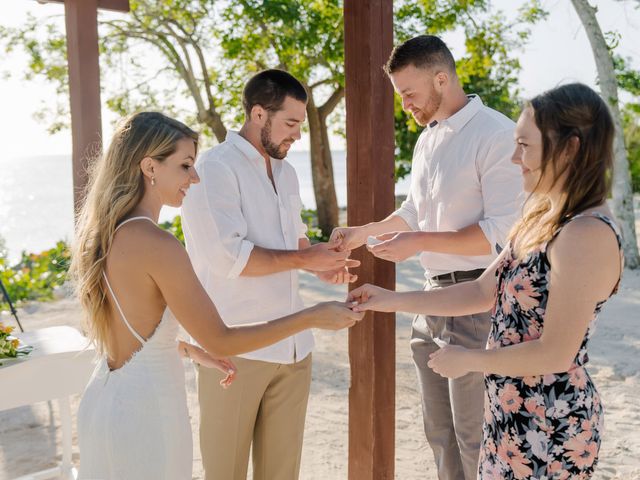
(322, 170)
(213, 120)
(622, 191)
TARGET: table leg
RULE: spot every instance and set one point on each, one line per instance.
(68, 472)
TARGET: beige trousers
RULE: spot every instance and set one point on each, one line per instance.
(266, 405)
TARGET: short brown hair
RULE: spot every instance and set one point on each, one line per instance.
(423, 51)
(269, 88)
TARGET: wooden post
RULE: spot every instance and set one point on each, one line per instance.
(370, 195)
(81, 17)
(81, 21)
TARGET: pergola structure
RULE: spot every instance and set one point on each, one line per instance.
(81, 21)
(370, 192)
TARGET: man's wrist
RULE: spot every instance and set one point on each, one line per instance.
(291, 259)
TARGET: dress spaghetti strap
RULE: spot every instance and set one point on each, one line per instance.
(115, 299)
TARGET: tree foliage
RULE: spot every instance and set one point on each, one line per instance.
(190, 58)
(629, 81)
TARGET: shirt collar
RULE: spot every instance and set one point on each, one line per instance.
(242, 144)
(459, 119)
(251, 153)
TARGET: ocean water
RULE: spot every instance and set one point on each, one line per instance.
(36, 198)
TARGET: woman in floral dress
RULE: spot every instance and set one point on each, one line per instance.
(542, 415)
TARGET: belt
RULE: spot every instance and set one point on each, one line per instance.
(459, 276)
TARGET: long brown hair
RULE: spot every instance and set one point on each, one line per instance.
(115, 187)
(565, 112)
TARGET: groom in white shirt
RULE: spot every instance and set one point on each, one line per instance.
(246, 241)
(465, 195)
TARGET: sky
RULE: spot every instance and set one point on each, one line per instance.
(558, 52)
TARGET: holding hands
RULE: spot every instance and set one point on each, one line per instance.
(226, 366)
(326, 257)
(371, 297)
(451, 361)
(335, 315)
(330, 263)
(393, 246)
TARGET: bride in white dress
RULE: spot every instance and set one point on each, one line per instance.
(136, 284)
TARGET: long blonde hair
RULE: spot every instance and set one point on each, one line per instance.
(115, 187)
(572, 110)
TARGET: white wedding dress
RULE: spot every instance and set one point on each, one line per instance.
(133, 422)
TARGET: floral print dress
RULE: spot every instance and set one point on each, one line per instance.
(541, 427)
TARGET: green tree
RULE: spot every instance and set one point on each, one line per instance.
(191, 58)
(631, 127)
(629, 81)
(156, 57)
(608, 80)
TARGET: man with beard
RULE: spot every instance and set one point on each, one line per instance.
(246, 241)
(464, 198)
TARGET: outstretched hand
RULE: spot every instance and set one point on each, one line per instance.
(396, 246)
(341, 275)
(347, 238)
(326, 256)
(371, 297)
(335, 316)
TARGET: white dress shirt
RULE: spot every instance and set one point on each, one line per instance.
(233, 208)
(461, 175)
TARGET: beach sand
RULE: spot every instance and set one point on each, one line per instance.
(30, 437)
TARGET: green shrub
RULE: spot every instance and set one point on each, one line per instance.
(309, 217)
(175, 227)
(36, 275)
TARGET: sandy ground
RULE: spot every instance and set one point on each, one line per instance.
(30, 437)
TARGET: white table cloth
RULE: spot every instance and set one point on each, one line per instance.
(59, 365)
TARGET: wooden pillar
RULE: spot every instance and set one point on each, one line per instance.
(81, 21)
(370, 195)
(81, 18)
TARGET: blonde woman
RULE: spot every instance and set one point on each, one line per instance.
(134, 281)
(542, 413)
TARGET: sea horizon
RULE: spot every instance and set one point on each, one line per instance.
(36, 198)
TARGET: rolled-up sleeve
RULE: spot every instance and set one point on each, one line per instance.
(408, 212)
(212, 212)
(502, 193)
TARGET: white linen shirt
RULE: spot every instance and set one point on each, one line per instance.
(233, 208)
(462, 174)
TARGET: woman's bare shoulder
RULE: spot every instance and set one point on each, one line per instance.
(587, 249)
(144, 241)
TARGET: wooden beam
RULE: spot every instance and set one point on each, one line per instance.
(81, 18)
(370, 195)
(114, 5)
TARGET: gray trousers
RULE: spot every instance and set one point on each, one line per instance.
(452, 410)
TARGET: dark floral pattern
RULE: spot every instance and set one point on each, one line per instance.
(547, 426)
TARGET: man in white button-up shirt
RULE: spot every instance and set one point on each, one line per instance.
(246, 240)
(465, 195)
